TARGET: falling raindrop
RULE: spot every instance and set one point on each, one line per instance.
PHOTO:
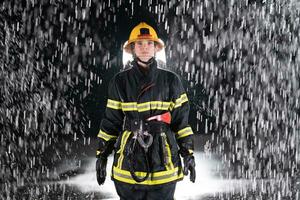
(58, 57)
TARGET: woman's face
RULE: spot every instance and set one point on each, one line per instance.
(144, 49)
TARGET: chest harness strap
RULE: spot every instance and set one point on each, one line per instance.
(145, 140)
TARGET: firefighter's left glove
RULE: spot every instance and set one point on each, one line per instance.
(101, 169)
(189, 165)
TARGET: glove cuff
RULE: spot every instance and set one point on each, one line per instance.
(189, 160)
(189, 156)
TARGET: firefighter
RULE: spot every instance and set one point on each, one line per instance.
(146, 124)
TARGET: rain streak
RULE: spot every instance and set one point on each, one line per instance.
(239, 62)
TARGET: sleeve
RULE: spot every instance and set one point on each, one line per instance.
(112, 121)
(180, 114)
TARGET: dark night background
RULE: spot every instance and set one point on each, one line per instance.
(238, 60)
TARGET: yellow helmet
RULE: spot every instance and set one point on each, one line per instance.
(142, 31)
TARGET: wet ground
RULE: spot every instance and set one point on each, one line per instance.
(77, 180)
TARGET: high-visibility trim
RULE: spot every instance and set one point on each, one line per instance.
(153, 105)
(129, 106)
(150, 105)
(124, 139)
(141, 107)
(154, 178)
(191, 151)
(184, 132)
(182, 99)
(178, 102)
(106, 136)
(98, 152)
(169, 165)
(117, 105)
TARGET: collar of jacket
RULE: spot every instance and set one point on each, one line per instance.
(146, 80)
(139, 72)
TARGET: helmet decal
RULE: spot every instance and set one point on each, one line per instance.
(144, 31)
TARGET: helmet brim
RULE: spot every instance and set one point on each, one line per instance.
(159, 45)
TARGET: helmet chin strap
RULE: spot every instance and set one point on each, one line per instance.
(149, 62)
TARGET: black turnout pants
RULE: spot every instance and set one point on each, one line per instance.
(131, 192)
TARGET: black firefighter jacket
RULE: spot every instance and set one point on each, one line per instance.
(133, 94)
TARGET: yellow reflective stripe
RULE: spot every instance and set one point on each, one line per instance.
(184, 132)
(160, 105)
(98, 152)
(114, 104)
(182, 99)
(141, 107)
(144, 106)
(153, 179)
(124, 139)
(151, 105)
(129, 106)
(169, 165)
(191, 151)
(105, 136)
(172, 105)
(178, 102)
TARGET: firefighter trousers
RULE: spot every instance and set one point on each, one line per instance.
(131, 192)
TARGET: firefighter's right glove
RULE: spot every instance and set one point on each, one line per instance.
(101, 169)
(189, 165)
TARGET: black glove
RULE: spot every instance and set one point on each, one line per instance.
(101, 169)
(189, 165)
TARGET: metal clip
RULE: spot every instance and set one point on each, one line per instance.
(143, 137)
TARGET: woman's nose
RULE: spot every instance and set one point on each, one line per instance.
(145, 45)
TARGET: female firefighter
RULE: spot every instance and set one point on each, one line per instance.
(146, 124)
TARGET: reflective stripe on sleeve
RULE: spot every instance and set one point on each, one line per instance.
(106, 136)
(153, 179)
(184, 132)
(178, 102)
